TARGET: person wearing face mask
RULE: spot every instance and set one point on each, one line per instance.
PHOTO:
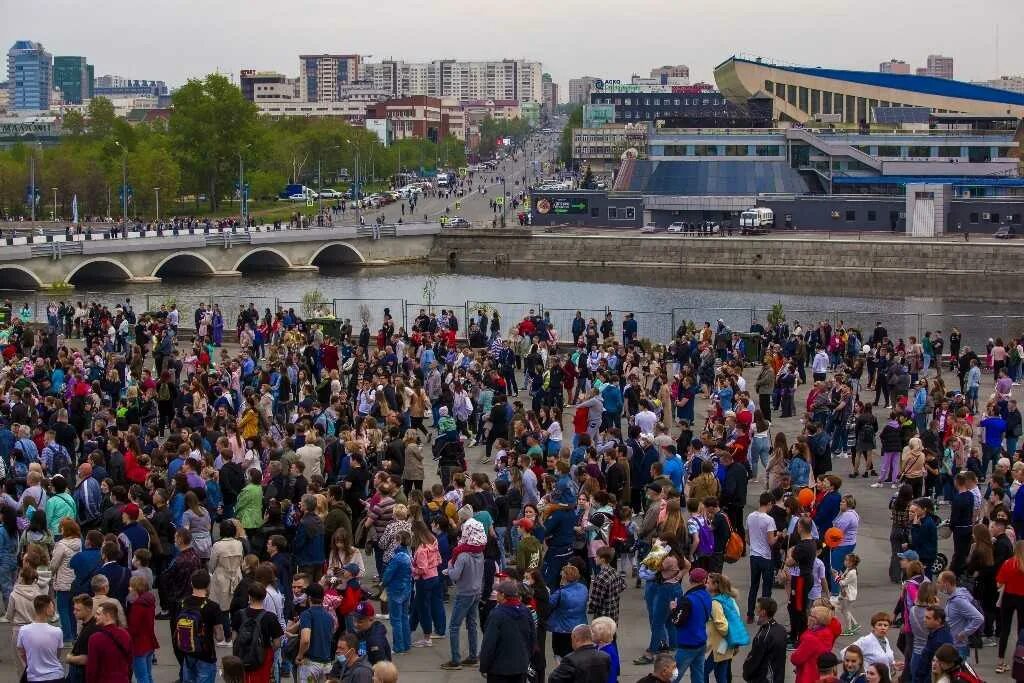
(349, 666)
(766, 660)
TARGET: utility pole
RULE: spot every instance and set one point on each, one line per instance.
(241, 190)
(124, 184)
(157, 191)
(319, 186)
(54, 203)
(32, 184)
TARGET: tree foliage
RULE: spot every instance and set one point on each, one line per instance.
(565, 146)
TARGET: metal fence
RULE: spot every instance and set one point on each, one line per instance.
(658, 326)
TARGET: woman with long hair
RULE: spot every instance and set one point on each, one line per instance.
(1010, 578)
(726, 625)
(197, 520)
(429, 591)
(899, 532)
(981, 571)
(343, 552)
(777, 465)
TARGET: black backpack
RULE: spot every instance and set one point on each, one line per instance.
(249, 645)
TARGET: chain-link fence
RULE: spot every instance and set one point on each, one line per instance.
(510, 313)
(358, 311)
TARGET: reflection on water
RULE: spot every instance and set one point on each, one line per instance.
(662, 298)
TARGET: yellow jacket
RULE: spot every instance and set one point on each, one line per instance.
(249, 424)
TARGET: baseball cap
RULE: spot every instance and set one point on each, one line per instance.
(132, 510)
(351, 568)
(698, 575)
(525, 523)
(364, 610)
(910, 555)
(827, 660)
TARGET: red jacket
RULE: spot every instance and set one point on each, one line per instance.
(812, 643)
(134, 472)
(110, 656)
(142, 624)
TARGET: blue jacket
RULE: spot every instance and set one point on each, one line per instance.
(923, 672)
(135, 536)
(568, 608)
(828, 508)
(397, 579)
(118, 576)
(560, 528)
(693, 633)
(88, 513)
(611, 397)
(84, 565)
(924, 538)
(308, 546)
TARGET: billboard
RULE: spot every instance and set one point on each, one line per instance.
(596, 115)
(380, 128)
(562, 205)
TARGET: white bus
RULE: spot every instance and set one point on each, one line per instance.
(757, 219)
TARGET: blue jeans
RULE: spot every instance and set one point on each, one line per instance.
(722, 670)
(762, 571)
(502, 533)
(657, 619)
(197, 671)
(759, 452)
(68, 625)
(142, 667)
(838, 564)
(692, 659)
(554, 559)
(398, 614)
(464, 608)
(430, 606)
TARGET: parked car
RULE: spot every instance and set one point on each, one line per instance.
(1006, 232)
(330, 194)
(458, 222)
(678, 227)
(297, 197)
(649, 228)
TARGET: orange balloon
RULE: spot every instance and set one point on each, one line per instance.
(806, 497)
(833, 537)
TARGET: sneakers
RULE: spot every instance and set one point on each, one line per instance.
(224, 643)
(426, 642)
(643, 660)
(470, 661)
(877, 485)
(451, 666)
(895, 486)
(437, 636)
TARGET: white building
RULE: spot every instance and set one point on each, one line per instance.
(322, 76)
(1010, 83)
(508, 79)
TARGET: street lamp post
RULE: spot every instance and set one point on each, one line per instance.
(32, 184)
(124, 181)
(157, 191)
(319, 178)
(54, 203)
(241, 191)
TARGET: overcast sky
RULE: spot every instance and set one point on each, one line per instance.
(173, 40)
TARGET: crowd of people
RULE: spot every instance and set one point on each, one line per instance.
(271, 501)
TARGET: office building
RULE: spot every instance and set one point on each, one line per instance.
(803, 94)
(676, 105)
(579, 89)
(508, 79)
(259, 86)
(894, 66)
(73, 76)
(550, 91)
(30, 74)
(5, 96)
(937, 66)
(603, 148)
(119, 86)
(350, 110)
(671, 75)
(421, 116)
(322, 76)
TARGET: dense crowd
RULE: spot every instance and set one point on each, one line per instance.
(269, 500)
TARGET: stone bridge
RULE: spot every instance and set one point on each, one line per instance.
(43, 261)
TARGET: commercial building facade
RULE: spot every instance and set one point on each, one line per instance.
(894, 66)
(73, 76)
(118, 86)
(672, 75)
(603, 148)
(507, 79)
(267, 86)
(30, 76)
(579, 89)
(550, 90)
(700, 103)
(430, 118)
(322, 76)
(937, 66)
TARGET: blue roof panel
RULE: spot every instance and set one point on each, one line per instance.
(982, 181)
(929, 85)
(715, 178)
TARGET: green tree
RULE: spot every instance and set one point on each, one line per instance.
(150, 166)
(565, 146)
(74, 123)
(211, 124)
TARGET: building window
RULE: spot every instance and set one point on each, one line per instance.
(613, 213)
(949, 152)
(767, 150)
(919, 152)
(736, 150)
(815, 101)
(780, 90)
(630, 213)
(791, 94)
(677, 101)
(888, 151)
(769, 86)
(705, 150)
(872, 215)
(993, 218)
(826, 102)
(803, 99)
(851, 216)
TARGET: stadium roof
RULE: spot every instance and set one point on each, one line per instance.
(929, 85)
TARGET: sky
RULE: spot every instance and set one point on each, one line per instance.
(174, 40)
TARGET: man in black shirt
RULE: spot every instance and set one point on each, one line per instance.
(194, 628)
(269, 627)
(720, 526)
(801, 556)
(82, 609)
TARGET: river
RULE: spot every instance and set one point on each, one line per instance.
(661, 299)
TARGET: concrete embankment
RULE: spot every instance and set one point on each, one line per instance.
(765, 254)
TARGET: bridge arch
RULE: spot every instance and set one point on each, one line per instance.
(263, 258)
(336, 253)
(19, 277)
(99, 269)
(184, 263)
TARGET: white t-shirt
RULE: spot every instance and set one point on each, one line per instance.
(759, 525)
(42, 643)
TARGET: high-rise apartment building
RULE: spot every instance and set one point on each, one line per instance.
(579, 89)
(672, 75)
(550, 92)
(30, 76)
(1009, 83)
(894, 66)
(508, 79)
(73, 76)
(321, 76)
(938, 66)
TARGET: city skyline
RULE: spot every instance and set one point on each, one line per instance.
(790, 31)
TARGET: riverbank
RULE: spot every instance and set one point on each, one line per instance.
(879, 256)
